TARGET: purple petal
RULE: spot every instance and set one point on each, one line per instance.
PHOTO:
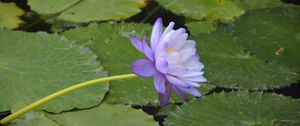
(136, 42)
(164, 98)
(156, 33)
(161, 49)
(181, 30)
(197, 77)
(177, 70)
(160, 83)
(191, 91)
(161, 65)
(192, 84)
(193, 63)
(176, 40)
(180, 93)
(189, 44)
(175, 81)
(168, 29)
(143, 68)
(180, 82)
(147, 50)
(187, 54)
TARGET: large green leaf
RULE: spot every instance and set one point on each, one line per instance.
(228, 65)
(33, 118)
(272, 35)
(238, 109)
(113, 47)
(87, 10)
(201, 27)
(223, 10)
(33, 66)
(258, 4)
(9, 15)
(105, 115)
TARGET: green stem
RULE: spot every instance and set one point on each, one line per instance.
(44, 100)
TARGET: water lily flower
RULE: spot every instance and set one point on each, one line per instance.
(172, 60)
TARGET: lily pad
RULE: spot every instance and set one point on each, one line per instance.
(33, 118)
(223, 10)
(272, 35)
(228, 65)
(9, 15)
(238, 109)
(87, 10)
(258, 4)
(34, 65)
(201, 27)
(106, 115)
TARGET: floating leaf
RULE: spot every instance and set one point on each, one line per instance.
(258, 4)
(227, 65)
(9, 15)
(33, 66)
(113, 47)
(87, 10)
(105, 115)
(223, 10)
(238, 109)
(33, 118)
(201, 27)
(272, 35)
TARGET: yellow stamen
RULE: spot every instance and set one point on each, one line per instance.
(170, 50)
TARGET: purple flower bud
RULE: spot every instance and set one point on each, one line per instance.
(172, 60)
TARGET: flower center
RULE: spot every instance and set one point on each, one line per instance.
(170, 50)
